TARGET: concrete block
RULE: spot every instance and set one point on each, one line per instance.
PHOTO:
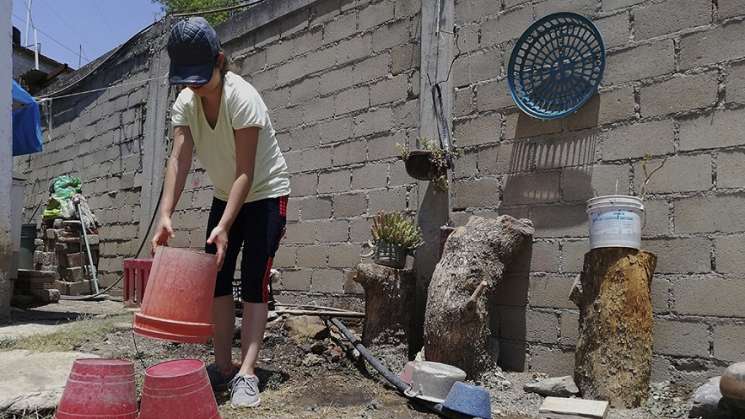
(495, 160)
(735, 88)
(558, 407)
(390, 35)
(344, 256)
(286, 257)
(635, 141)
(336, 80)
(305, 137)
(728, 341)
(494, 95)
(520, 125)
(469, 11)
(722, 43)
(375, 14)
(705, 214)
(353, 49)
(569, 328)
(529, 188)
(584, 7)
(403, 58)
(573, 255)
(349, 205)
(389, 90)
(660, 295)
(545, 257)
(332, 231)
(484, 66)
(327, 280)
(604, 108)
(316, 158)
(478, 193)
(352, 100)
(370, 176)
(553, 362)
(619, 4)
(384, 147)
(278, 52)
(681, 338)
(463, 102)
(304, 91)
(650, 60)
(359, 230)
(730, 8)
(506, 26)
(341, 27)
(332, 182)
(615, 29)
(467, 165)
(480, 130)
(681, 255)
(559, 220)
(728, 251)
(551, 291)
(312, 256)
(322, 59)
(698, 133)
(302, 185)
(335, 130)
(373, 68)
(681, 93)
(730, 169)
(315, 208)
(388, 200)
(350, 152)
(657, 214)
(541, 327)
(300, 233)
(679, 174)
(709, 297)
(406, 115)
(373, 121)
(296, 280)
(670, 16)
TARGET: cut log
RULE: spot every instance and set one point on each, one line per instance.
(389, 298)
(614, 346)
(456, 326)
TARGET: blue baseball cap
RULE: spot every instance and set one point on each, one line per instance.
(192, 47)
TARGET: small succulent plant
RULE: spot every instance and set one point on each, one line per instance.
(397, 229)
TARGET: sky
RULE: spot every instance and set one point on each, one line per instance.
(98, 25)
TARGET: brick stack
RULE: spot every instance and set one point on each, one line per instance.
(62, 250)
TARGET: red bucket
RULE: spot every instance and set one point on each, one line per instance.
(99, 388)
(177, 305)
(136, 273)
(178, 389)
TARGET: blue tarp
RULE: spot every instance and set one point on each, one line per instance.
(26, 122)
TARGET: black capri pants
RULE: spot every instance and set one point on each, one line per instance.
(258, 228)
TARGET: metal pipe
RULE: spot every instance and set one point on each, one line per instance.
(370, 358)
(87, 248)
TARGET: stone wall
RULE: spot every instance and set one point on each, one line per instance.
(6, 164)
(672, 89)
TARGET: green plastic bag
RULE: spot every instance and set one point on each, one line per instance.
(60, 203)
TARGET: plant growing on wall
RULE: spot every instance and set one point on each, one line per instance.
(648, 175)
(430, 162)
(394, 236)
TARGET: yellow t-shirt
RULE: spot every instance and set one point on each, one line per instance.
(241, 106)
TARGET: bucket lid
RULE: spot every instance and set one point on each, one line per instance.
(625, 201)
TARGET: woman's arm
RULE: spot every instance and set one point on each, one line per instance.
(176, 171)
(246, 140)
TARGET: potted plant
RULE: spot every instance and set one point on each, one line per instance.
(428, 163)
(394, 236)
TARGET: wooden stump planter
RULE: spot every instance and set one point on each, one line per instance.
(456, 327)
(614, 348)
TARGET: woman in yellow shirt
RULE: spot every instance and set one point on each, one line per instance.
(223, 118)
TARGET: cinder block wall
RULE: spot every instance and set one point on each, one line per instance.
(673, 87)
(341, 79)
(99, 136)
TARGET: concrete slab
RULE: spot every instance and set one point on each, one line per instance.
(34, 381)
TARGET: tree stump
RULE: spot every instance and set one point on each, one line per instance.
(389, 298)
(614, 348)
(456, 326)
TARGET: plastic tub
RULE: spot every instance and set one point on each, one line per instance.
(99, 388)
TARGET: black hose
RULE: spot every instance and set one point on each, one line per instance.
(370, 358)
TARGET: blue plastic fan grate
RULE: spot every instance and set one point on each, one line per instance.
(556, 65)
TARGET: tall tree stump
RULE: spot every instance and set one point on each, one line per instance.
(456, 327)
(389, 298)
(614, 348)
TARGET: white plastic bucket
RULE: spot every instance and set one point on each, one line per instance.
(615, 221)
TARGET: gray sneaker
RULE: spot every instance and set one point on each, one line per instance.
(244, 391)
(218, 380)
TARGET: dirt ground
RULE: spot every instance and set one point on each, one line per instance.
(333, 385)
